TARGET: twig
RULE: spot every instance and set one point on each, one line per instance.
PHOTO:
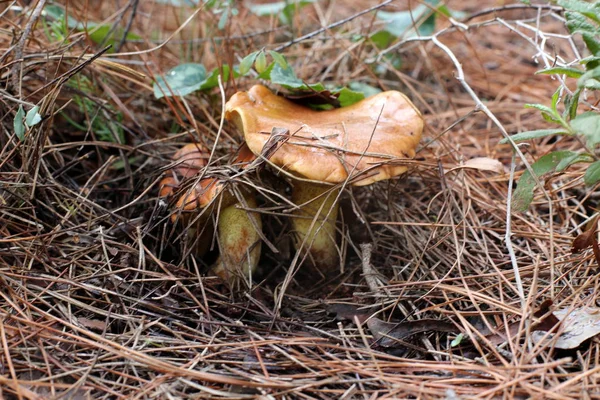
(16, 70)
(331, 26)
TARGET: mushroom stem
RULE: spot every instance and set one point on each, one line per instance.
(239, 242)
(315, 226)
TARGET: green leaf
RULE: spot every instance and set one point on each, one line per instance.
(348, 97)
(212, 81)
(284, 9)
(223, 20)
(382, 39)
(571, 103)
(588, 125)
(179, 3)
(102, 34)
(547, 113)
(457, 340)
(403, 22)
(18, 124)
(578, 23)
(182, 80)
(366, 89)
(267, 9)
(592, 174)
(523, 194)
(33, 117)
(589, 9)
(261, 62)
(279, 59)
(529, 135)
(573, 159)
(287, 14)
(287, 78)
(57, 13)
(570, 72)
(591, 74)
(247, 62)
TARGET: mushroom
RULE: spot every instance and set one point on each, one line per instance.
(237, 229)
(323, 149)
(188, 162)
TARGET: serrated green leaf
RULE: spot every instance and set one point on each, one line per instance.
(348, 97)
(570, 72)
(247, 62)
(279, 59)
(588, 125)
(182, 80)
(591, 43)
(18, 123)
(589, 9)
(529, 135)
(592, 174)
(523, 194)
(33, 117)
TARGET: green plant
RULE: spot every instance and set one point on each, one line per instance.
(582, 18)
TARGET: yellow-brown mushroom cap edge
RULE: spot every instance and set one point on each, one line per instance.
(327, 146)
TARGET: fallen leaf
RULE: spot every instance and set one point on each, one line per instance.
(578, 325)
(345, 311)
(388, 333)
(482, 164)
(587, 237)
(485, 164)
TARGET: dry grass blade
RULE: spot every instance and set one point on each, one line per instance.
(100, 298)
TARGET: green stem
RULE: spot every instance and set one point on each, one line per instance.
(315, 229)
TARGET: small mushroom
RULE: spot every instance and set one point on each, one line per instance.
(237, 229)
(188, 161)
(322, 149)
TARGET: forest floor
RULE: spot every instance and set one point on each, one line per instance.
(98, 298)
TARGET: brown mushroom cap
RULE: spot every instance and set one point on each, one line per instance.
(199, 196)
(190, 159)
(327, 146)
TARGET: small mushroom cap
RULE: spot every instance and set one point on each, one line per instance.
(327, 146)
(244, 157)
(190, 159)
(167, 186)
(200, 195)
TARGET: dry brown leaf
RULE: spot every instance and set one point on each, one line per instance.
(482, 164)
(387, 333)
(579, 325)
